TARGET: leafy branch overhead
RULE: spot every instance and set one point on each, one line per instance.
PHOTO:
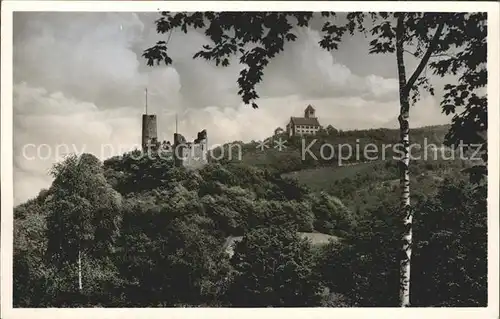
(256, 37)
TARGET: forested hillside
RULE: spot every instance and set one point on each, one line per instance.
(296, 152)
(134, 232)
(359, 182)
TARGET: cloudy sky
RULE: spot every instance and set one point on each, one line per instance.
(79, 81)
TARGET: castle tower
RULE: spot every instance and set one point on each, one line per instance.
(309, 112)
(149, 128)
(149, 131)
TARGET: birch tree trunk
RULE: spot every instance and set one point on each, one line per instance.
(79, 270)
(404, 116)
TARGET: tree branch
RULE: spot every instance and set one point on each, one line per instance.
(425, 58)
(440, 55)
(409, 52)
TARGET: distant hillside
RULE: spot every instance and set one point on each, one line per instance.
(296, 152)
(368, 184)
(358, 181)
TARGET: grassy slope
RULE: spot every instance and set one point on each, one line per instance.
(323, 178)
(358, 184)
(367, 184)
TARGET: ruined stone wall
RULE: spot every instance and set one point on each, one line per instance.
(196, 156)
(190, 155)
(179, 149)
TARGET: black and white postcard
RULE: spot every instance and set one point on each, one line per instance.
(254, 158)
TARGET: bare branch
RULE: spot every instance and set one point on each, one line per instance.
(412, 53)
(439, 55)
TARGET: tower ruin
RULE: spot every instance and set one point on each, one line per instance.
(179, 149)
(149, 129)
(190, 154)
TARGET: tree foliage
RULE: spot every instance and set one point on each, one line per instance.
(167, 257)
(173, 236)
(83, 209)
(450, 254)
(274, 267)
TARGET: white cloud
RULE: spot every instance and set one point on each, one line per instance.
(305, 68)
(59, 125)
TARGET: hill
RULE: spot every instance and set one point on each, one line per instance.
(282, 175)
(327, 148)
(360, 181)
(135, 217)
(273, 178)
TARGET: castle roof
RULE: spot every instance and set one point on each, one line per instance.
(309, 108)
(304, 121)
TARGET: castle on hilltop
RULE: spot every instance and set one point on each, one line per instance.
(307, 125)
(186, 154)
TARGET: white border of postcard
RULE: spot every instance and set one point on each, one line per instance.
(8, 7)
